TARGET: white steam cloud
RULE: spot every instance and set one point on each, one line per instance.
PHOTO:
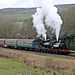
(47, 13)
(38, 22)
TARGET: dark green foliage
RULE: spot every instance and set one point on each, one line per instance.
(68, 27)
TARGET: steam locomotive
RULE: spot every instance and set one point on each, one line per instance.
(47, 46)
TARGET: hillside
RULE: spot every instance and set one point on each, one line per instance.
(17, 14)
(20, 14)
(12, 10)
(9, 10)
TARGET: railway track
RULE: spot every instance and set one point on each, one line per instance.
(71, 51)
(71, 55)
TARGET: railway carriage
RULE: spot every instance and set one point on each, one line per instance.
(11, 43)
(2, 42)
(25, 43)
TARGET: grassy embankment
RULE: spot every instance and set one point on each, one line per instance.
(14, 62)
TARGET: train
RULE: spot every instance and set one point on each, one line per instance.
(38, 45)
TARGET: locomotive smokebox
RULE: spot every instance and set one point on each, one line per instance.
(56, 44)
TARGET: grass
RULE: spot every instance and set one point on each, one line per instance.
(18, 16)
(25, 14)
(29, 11)
(14, 62)
(8, 68)
(11, 67)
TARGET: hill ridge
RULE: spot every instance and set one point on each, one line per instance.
(6, 10)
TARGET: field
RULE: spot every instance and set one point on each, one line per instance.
(18, 15)
(14, 62)
(22, 13)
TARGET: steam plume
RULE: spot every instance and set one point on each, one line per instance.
(48, 14)
(38, 22)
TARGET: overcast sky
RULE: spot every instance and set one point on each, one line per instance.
(28, 3)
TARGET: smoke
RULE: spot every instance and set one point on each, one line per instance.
(48, 14)
(38, 22)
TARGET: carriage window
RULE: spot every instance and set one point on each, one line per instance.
(24, 43)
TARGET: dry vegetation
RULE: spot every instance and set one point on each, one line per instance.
(36, 61)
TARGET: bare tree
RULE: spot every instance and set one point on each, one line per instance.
(28, 31)
(8, 29)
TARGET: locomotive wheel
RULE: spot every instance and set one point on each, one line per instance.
(48, 51)
(42, 50)
(45, 51)
(35, 49)
(19, 47)
(56, 52)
